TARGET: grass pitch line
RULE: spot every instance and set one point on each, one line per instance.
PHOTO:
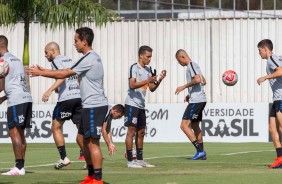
(174, 156)
(43, 165)
(245, 152)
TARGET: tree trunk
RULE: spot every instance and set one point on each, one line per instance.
(26, 52)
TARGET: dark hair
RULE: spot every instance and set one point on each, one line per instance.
(3, 41)
(119, 108)
(85, 33)
(143, 49)
(266, 43)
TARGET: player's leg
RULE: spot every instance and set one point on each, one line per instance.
(19, 118)
(198, 134)
(76, 119)
(130, 121)
(275, 114)
(191, 113)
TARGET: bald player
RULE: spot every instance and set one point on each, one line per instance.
(197, 101)
(69, 101)
(19, 104)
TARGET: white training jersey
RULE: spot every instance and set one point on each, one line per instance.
(69, 89)
(274, 62)
(196, 93)
(136, 97)
(91, 74)
(15, 83)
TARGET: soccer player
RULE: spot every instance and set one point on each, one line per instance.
(69, 101)
(19, 102)
(274, 76)
(115, 112)
(140, 78)
(197, 102)
(94, 102)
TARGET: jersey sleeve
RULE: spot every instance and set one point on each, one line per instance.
(84, 64)
(132, 72)
(274, 62)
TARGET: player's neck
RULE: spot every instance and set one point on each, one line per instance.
(86, 50)
(2, 52)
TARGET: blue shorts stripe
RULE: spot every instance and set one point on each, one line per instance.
(92, 123)
(15, 114)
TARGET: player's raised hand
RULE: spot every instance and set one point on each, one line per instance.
(33, 71)
(152, 79)
(163, 74)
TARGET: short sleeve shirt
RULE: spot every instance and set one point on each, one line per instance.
(274, 62)
(15, 83)
(91, 74)
(69, 89)
(136, 97)
(196, 92)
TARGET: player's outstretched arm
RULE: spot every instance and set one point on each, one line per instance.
(45, 96)
(155, 85)
(196, 80)
(275, 74)
(108, 139)
(57, 74)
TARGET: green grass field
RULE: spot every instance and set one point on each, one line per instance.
(227, 163)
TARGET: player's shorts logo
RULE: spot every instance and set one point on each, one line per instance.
(65, 114)
(99, 128)
(134, 120)
(195, 116)
(21, 119)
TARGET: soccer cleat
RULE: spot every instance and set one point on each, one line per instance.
(87, 180)
(277, 163)
(144, 164)
(97, 182)
(199, 155)
(81, 157)
(14, 172)
(62, 163)
(133, 164)
(204, 158)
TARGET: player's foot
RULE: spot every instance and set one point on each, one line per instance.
(87, 180)
(62, 163)
(277, 163)
(199, 155)
(97, 182)
(133, 164)
(204, 158)
(81, 157)
(144, 164)
(14, 171)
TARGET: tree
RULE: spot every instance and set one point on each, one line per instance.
(49, 13)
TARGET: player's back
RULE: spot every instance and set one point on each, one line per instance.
(15, 83)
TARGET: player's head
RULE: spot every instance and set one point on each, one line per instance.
(3, 44)
(52, 50)
(83, 37)
(265, 48)
(182, 57)
(145, 54)
(117, 111)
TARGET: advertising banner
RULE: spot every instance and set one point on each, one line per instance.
(242, 122)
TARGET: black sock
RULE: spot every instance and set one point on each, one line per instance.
(129, 155)
(19, 163)
(62, 151)
(279, 152)
(139, 153)
(98, 174)
(197, 146)
(202, 145)
(90, 170)
(80, 153)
